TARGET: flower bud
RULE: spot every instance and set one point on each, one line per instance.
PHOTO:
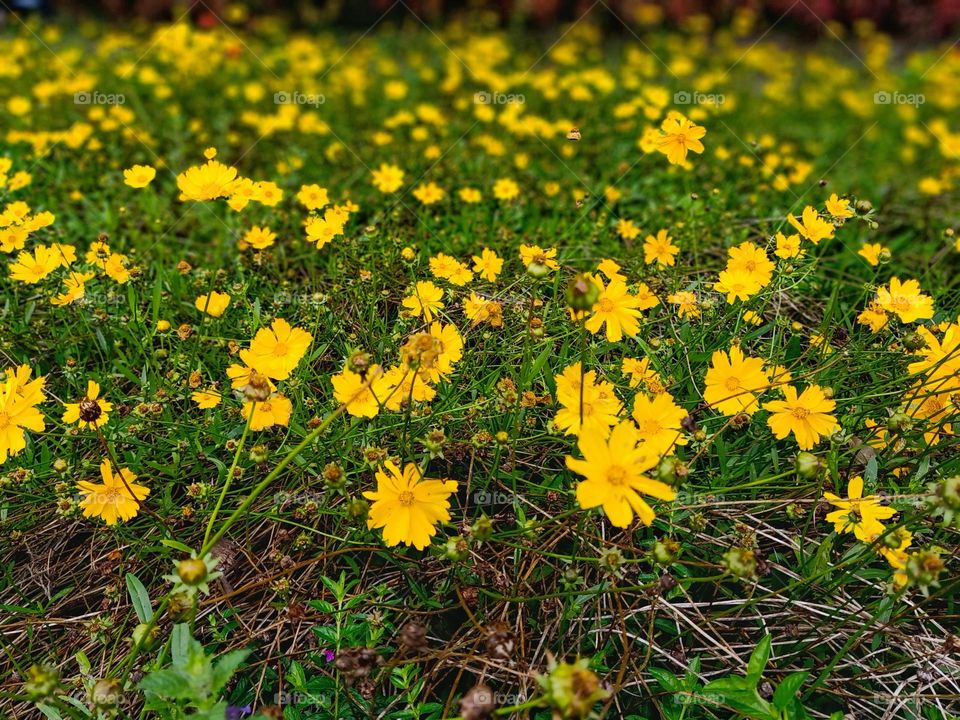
(582, 292)
(192, 571)
(808, 465)
(740, 562)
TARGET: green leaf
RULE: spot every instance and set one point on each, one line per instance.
(668, 681)
(172, 683)
(140, 598)
(225, 667)
(177, 545)
(758, 661)
(180, 643)
(787, 690)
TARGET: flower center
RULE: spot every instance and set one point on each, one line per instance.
(405, 498)
(751, 265)
(617, 475)
(90, 410)
(606, 305)
(650, 427)
(800, 413)
(732, 383)
(280, 349)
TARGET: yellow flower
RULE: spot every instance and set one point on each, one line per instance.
(536, 255)
(32, 268)
(658, 422)
(617, 309)
(74, 288)
(206, 399)
(660, 249)
(139, 176)
(275, 410)
(787, 246)
(313, 197)
(98, 253)
(267, 193)
(733, 382)
(258, 238)
(429, 193)
(857, 514)
(640, 372)
(479, 309)
(871, 252)
(905, 300)
(505, 189)
(679, 136)
(116, 269)
(449, 268)
(17, 413)
(686, 302)
(387, 178)
(406, 385)
(487, 264)
(808, 416)
(627, 230)
(614, 475)
(839, 207)
(875, 317)
(600, 406)
(611, 269)
(362, 396)
(213, 304)
(470, 195)
(117, 498)
(275, 352)
(407, 506)
(206, 182)
(426, 300)
(812, 226)
(91, 412)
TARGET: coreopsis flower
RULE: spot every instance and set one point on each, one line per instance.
(640, 373)
(209, 181)
(811, 226)
(627, 230)
(871, 252)
(74, 288)
(139, 176)
(206, 399)
(407, 506)
(586, 404)
(426, 300)
(240, 193)
(479, 309)
(117, 498)
(505, 189)
(213, 303)
(313, 197)
(905, 300)
(116, 268)
(429, 193)
(611, 270)
(450, 269)
(361, 395)
(660, 249)
(18, 412)
(874, 317)
(448, 346)
(658, 422)
(276, 351)
(788, 246)
(33, 267)
(839, 207)
(91, 412)
(470, 195)
(487, 264)
(939, 359)
(259, 238)
(686, 302)
(614, 470)
(734, 381)
(406, 385)
(679, 135)
(388, 178)
(267, 193)
(751, 260)
(275, 410)
(243, 377)
(617, 309)
(13, 238)
(857, 514)
(98, 253)
(536, 256)
(808, 416)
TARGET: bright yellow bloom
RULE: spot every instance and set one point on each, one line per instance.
(117, 498)
(139, 176)
(600, 407)
(808, 416)
(611, 269)
(839, 207)
(213, 304)
(733, 382)
(32, 268)
(686, 302)
(875, 317)
(871, 252)
(388, 178)
(275, 352)
(449, 268)
(470, 195)
(406, 385)
(363, 396)
(679, 136)
(206, 182)
(313, 197)
(660, 249)
(206, 399)
(788, 246)
(505, 189)
(536, 255)
(116, 269)
(258, 238)
(614, 475)
(429, 193)
(658, 422)
(812, 226)
(74, 288)
(627, 230)
(91, 412)
(275, 410)
(426, 300)
(267, 193)
(617, 309)
(905, 300)
(17, 413)
(487, 264)
(857, 514)
(407, 506)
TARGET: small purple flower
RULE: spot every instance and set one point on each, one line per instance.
(329, 655)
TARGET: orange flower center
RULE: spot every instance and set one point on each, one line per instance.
(606, 305)
(616, 475)
(800, 413)
(732, 383)
(406, 498)
(280, 349)
(650, 427)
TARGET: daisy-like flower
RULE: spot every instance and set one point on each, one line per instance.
(470, 195)
(18, 413)
(450, 269)
(33, 267)
(276, 351)
(267, 193)
(627, 230)
(209, 181)
(259, 238)
(788, 246)
(426, 300)
(839, 207)
(857, 514)
(871, 253)
(680, 136)
(598, 410)
(479, 309)
(407, 506)
(874, 317)
(905, 300)
(660, 249)
(640, 373)
(139, 176)
(614, 471)
(733, 382)
(429, 193)
(487, 264)
(406, 385)
(808, 416)
(811, 226)
(534, 255)
(116, 268)
(686, 302)
(313, 197)
(91, 412)
(505, 189)
(117, 498)
(362, 396)
(617, 309)
(658, 422)
(213, 304)
(206, 399)
(74, 288)
(387, 178)
(275, 410)
(611, 269)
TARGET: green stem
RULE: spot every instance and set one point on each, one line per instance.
(233, 466)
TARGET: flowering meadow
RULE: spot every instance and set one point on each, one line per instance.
(454, 369)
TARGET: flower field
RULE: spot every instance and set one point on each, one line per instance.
(453, 369)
